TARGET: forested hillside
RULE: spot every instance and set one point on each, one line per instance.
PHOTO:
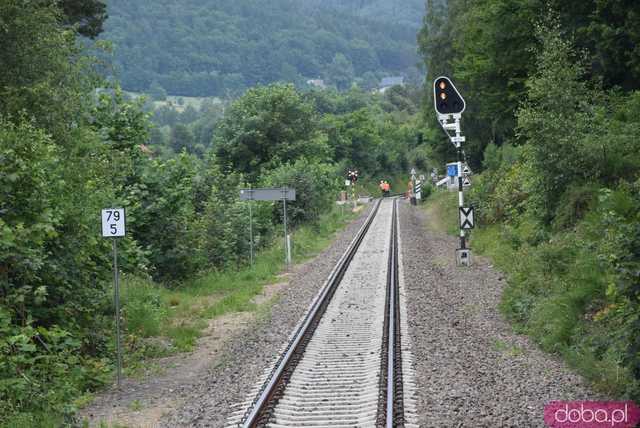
(553, 120)
(221, 47)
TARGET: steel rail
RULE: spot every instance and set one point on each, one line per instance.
(391, 335)
(255, 412)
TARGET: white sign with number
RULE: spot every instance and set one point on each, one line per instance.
(113, 224)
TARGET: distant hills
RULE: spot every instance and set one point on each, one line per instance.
(221, 47)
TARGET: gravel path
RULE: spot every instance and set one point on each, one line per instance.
(209, 402)
(472, 369)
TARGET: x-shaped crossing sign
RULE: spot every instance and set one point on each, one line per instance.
(466, 218)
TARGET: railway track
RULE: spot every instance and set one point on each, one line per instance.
(348, 362)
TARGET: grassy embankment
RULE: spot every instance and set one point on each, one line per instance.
(554, 294)
(177, 316)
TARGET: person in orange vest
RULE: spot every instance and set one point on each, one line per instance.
(387, 188)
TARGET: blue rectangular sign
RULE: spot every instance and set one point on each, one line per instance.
(452, 170)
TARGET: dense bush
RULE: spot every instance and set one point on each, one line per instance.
(317, 186)
(564, 208)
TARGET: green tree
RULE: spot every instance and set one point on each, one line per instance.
(354, 138)
(182, 138)
(87, 15)
(340, 72)
(553, 122)
(157, 92)
(269, 125)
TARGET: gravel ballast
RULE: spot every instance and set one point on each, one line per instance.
(471, 368)
(211, 401)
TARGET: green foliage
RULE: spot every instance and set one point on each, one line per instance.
(486, 46)
(40, 71)
(41, 370)
(157, 92)
(162, 216)
(317, 186)
(557, 200)
(196, 48)
(340, 72)
(576, 293)
(87, 16)
(265, 127)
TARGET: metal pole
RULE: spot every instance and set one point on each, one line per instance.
(284, 204)
(353, 194)
(463, 244)
(250, 233)
(116, 281)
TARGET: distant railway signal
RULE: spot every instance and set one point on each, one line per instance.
(352, 175)
(446, 98)
(449, 106)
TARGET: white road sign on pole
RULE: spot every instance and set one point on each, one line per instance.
(113, 223)
(466, 182)
(113, 226)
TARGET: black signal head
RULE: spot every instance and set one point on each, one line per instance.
(446, 98)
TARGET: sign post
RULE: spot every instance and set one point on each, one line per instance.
(113, 226)
(283, 194)
(250, 234)
(449, 106)
(287, 247)
(413, 196)
(352, 177)
(418, 190)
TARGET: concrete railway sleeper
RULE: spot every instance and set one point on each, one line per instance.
(346, 365)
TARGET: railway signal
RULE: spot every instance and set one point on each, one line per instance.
(449, 106)
(352, 175)
(446, 98)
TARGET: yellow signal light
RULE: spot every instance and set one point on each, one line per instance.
(442, 85)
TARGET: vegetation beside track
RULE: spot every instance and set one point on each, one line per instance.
(552, 124)
(558, 291)
(179, 314)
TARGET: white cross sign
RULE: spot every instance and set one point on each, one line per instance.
(113, 223)
(466, 218)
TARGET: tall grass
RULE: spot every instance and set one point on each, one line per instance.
(179, 313)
